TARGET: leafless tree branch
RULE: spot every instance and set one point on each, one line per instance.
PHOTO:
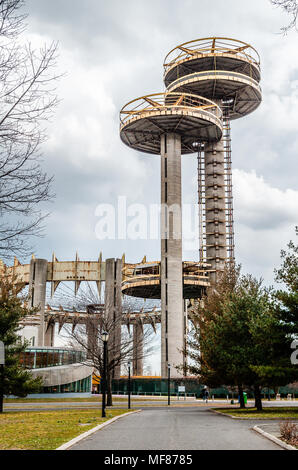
(87, 337)
(27, 98)
(291, 7)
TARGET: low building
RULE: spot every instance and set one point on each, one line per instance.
(64, 371)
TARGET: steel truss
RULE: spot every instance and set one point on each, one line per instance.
(229, 210)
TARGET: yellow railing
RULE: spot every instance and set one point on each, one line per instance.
(158, 102)
(206, 46)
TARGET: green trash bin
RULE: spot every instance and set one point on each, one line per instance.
(245, 397)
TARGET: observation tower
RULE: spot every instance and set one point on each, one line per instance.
(209, 82)
(226, 71)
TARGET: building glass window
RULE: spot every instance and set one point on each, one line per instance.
(39, 358)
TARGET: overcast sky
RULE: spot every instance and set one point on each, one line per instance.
(113, 51)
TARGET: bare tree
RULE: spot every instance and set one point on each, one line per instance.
(123, 346)
(27, 98)
(88, 338)
(291, 7)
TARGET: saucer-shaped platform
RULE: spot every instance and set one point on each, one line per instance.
(144, 120)
(221, 69)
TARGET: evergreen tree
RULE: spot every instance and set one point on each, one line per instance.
(16, 381)
(239, 339)
(288, 299)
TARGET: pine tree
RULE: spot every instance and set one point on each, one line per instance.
(288, 299)
(16, 381)
(239, 339)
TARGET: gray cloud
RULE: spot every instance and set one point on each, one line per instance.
(113, 52)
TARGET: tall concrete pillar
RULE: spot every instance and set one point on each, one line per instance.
(216, 248)
(172, 317)
(138, 345)
(113, 309)
(49, 337)
(37, 289)
(93, 334)
(185, 331)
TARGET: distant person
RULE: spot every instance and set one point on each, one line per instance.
(205, 395)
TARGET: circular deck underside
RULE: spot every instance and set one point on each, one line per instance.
(153, 291)
(243, 93)
(215, 62)
(144, 132)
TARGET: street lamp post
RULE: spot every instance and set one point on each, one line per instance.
(2, 362)
(129, 365)
(169, 384)
(105, 338)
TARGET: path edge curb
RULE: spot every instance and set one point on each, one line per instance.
(222, 414)
(273, 438)
(247, 418)
(79, 438)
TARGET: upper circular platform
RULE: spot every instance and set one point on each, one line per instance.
(218, 69)
(144, 120)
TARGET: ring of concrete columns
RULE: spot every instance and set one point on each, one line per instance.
(74, 318)
(145, 119)
(219, 69)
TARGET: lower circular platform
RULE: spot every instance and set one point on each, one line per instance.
(146, 119)
(153, 290)
(143, 280)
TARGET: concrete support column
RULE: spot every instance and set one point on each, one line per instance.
(138, 345)
(113, 310)
(37, 289)
(49, 337)
(215, 206)
(185, 326)
(172, 317)
(93, 335)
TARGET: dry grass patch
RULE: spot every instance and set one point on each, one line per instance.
(289, 432)
(47, 430)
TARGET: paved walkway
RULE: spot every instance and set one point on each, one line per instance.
(177, 429)
(135, 404)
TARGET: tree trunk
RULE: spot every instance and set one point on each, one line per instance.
(258, 398)
(109, 389)
(1, 387)
(241, 396)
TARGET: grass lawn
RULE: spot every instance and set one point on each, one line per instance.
(267, 413)
(47, 430)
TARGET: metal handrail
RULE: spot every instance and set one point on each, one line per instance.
(156, 277)
(167, 101)
(214, 46)
(144, 277)
(227, 73)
